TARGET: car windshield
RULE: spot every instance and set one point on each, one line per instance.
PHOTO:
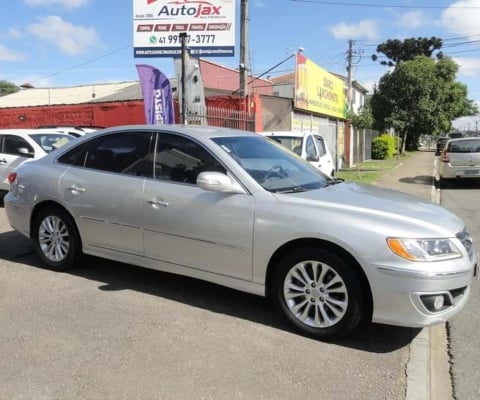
(49, 141)
(275, 168)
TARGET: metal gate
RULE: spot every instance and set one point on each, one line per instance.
(222, 117)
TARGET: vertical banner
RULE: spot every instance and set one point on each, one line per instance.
(157, 95)
(194, 91)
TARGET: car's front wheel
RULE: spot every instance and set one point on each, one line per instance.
(318, 292)
(56, 238)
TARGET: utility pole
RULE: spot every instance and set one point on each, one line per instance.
(349, 99)
(243, 48)
(183, 40)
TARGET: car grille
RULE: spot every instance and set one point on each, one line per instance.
(466, 239)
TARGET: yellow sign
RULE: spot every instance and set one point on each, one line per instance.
(317, 90)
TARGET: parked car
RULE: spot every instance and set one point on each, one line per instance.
(71, 130)
(310, 146)
(20, 145)
(460, 159)
(440, 144)
(240, 210)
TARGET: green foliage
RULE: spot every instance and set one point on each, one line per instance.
(396, 51)
(383, 147)
(420, 97)
(364, 120)
(7, 88)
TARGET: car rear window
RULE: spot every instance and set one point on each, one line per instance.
(464, 146)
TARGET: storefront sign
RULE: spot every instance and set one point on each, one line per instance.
(317, 90)
(209, 25)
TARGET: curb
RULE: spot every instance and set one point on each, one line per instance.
(428, 367)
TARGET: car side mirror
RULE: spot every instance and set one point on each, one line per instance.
(24, 152)
(218, 182)
(313, 157)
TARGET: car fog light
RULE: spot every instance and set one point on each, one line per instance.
(438, 302)
(435, 302)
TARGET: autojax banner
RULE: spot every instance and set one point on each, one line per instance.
(157, 95)
(209, 26)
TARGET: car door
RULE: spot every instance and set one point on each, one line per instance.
(188, 226)
(325, 158)
(10, 158)
(104, 189)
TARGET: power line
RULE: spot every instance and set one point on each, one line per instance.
(82, 64)
(337, 3)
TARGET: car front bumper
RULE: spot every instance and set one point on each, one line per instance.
(420, 298)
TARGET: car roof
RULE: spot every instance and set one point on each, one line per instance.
(196, 131)
(463, 139)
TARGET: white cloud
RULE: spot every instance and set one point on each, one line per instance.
(468, 66)
(14, 33)
(259, 3)
(412, 20)
(63, 3)
(9, 55)
(69, 38)
(462, 21)
(364, 29)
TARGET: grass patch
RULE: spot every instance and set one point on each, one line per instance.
(370, 171)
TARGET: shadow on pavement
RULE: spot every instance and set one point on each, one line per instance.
(114, 276)
(419, 180)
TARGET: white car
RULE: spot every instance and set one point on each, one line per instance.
(310, 146)
(76, 131)
(20, 145)
(460, 159)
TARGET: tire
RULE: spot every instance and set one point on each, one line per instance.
(56, 239)
(318, 292)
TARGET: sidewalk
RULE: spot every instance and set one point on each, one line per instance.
(428, 369)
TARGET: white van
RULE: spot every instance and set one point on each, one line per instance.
(310, 146)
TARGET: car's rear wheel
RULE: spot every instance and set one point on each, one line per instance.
(318, 292)
(56, 238)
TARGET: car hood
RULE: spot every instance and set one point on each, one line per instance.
(354, 198)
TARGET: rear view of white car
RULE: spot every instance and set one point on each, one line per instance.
(310, 146)
(460, 159)
(20, 145)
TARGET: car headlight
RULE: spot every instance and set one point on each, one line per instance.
(424, 249)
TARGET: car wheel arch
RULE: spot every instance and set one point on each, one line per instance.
(332, 247)
(46, 204)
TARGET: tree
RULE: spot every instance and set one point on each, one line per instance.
(397, 51)
(363, 120)
(7, 88)
(419, 97)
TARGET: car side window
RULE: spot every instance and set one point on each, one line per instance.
(310, 147)
(180, 159)
(320, 145)
(123, 152)
(11, 144)
(75, 156)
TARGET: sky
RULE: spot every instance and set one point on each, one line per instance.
(58, 43)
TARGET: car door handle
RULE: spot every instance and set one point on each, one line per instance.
(76, 188)
(4, 161)
(158, 202)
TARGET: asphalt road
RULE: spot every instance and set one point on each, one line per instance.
(107, 330)
(464, 200)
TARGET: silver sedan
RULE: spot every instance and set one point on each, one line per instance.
(237, 209)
